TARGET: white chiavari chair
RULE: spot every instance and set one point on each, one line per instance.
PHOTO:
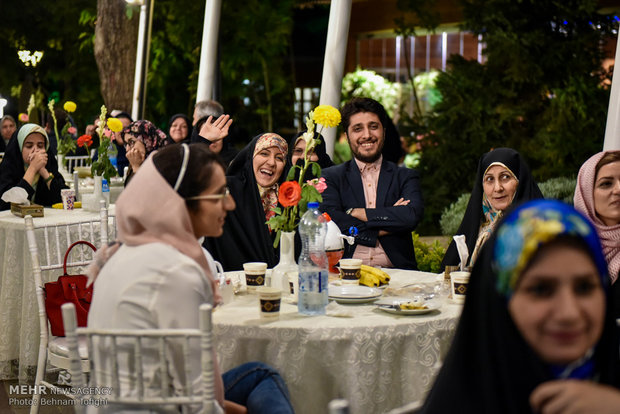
(113, 351)
(54, 241)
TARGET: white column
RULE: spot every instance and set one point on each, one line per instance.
(137, 82)
(333, 66)
(208, 52)
(612, 128)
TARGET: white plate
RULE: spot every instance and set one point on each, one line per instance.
(430, 307)
(353, 293)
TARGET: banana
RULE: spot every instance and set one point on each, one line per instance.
(369, 279)
(383, 277)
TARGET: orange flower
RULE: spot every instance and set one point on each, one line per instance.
(85, 140)
(289, 194)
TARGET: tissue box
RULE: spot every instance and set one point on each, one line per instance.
(21, 210)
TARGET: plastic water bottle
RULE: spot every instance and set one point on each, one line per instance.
(313, 274)
(113, 154)
(105, 191)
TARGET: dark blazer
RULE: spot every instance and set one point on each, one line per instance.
(344, 190)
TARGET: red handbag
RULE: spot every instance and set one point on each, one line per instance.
(68, 288)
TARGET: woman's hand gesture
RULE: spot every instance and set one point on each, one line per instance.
(135, 156)
(37, 161)
(216, 130)
(575, 397)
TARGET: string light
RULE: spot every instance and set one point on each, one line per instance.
(29, 58)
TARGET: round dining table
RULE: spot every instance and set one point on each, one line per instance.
(376, 360)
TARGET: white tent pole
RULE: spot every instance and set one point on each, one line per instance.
(137, 82)
(208, 52)
(612, 128)
(333, 66)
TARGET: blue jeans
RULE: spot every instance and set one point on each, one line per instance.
(258, 387)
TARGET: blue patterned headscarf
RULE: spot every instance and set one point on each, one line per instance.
(530, 226)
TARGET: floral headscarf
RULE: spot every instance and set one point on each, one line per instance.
(147, 133)
(269, 140)
(269, 196)
(529, 227)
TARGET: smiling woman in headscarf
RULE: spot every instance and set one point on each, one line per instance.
(30, 165)
(253, 179)
(503, 179)
(537, 334)
(141, 138)
(179, 129)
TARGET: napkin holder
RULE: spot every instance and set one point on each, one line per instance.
(21, 210)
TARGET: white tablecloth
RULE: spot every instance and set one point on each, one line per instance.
(377, 361)
(19, 322)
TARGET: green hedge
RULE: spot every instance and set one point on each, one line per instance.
(428, 256)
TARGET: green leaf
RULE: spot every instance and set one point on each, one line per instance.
(291, 173)
(316, 169)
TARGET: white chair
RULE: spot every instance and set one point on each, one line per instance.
(77, 161)
(56, 240)
(114, 345)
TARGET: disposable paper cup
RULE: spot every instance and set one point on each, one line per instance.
(68, 198)
(460, 280)
(254, 274)
(269, 300)
(350, 270)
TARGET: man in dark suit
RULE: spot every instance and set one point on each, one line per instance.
(371, 196)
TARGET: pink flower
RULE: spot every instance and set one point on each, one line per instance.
(72, 130)
(23, 117)
(318, 183)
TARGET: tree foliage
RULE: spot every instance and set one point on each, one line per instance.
(540, 91)
(66, 71)
(255, 80)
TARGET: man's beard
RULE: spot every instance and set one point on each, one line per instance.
(368, 158)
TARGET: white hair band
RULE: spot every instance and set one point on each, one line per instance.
(183, 167)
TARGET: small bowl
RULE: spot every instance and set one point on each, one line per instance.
(83, 172)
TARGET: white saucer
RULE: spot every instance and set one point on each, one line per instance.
(353, 293)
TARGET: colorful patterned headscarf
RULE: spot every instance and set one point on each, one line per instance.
(147, 133)
(269, 140)
(529, 227)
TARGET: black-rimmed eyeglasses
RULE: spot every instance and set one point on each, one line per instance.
(221, 196)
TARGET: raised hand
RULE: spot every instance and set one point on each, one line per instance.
(216, 130)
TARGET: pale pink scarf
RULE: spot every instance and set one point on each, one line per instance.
(584, 202)
(150, 211)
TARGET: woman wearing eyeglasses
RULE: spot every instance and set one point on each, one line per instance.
(253, 177)
(156, 276)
